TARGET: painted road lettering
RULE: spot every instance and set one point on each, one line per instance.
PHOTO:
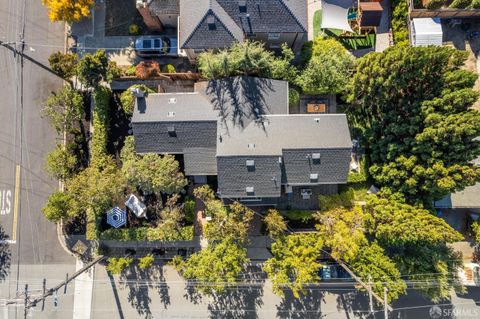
(5, 201)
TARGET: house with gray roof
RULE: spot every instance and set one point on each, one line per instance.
(216, 24)
(239, 129)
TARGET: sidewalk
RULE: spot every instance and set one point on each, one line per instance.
(82, 301)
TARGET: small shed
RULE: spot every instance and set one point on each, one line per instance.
(426, 31)
(370, 14)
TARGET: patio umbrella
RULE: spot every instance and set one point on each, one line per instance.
(116, 217)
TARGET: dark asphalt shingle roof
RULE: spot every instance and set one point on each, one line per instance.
(231, 25)
(200, 161)
(164, 6)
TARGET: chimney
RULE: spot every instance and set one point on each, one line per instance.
(151, 20)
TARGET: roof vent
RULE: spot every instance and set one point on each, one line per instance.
(171, 114)
(316, 156)
(279, 160)
(317, 119)
(251, 145)
(171, 131)
(256, 111)
(172, 100)
(242, 6)
(250, 163)
(313, 178)
(250, 190)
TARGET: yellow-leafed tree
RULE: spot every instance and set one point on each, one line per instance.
(68, 10)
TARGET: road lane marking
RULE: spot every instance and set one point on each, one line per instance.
(15, 203)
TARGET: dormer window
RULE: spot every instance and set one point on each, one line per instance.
(171, 131)
(250, 165)
(211, 23)
(242, 6)
(313, 178)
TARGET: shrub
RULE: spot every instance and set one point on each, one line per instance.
(92, 232)
(169, 68)
(343, 199)
(133, 29)
(147, 234)
(57, 206)
(189, 207)
(113, 71)
(476, 232)
(460, 4)
(146, 262)
(131, 70)
(302, 215)
(399, 21)
(293, 97)
(128, 101)
(147, 69)
(93, 68)
(101, 97)
(435, 4)
(475, 4)
(63, 64)
(117, 265)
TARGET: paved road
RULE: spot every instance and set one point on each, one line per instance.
(25, 139)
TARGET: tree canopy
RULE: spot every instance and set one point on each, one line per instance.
(64, 64)
(151, 173)
(61, 163)
(93, 68)
(247, 58)
(413, 104)
(294, 263)
(64, 108)
(68, 10)
(328, 69)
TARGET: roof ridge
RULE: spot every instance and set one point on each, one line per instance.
(293, 16)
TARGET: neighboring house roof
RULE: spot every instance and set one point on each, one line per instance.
(230, 24)
(160, 7)
(200, 161)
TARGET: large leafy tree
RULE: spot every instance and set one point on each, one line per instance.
(57, 207)
(414, 106)
(329, 69)
(247, 58)
(215, 267)
(294, 264)
(151, 173)
(64, 109)
(61, 163)
(275, 223)
(68, 10)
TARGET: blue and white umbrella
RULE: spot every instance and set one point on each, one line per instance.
(116, 217)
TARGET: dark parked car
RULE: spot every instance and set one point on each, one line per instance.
(333, 272)
(156, 46)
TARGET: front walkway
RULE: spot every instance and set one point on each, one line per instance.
(383, 38)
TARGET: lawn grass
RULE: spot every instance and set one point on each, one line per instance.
(317, 22)
(355, 42)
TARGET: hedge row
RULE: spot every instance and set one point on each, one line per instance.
(400, 21)
(101, 97)
(147, 234)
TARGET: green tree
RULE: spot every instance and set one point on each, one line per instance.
(414, 106)
(247, 58)
(146, 261)
(230, 222)
(96, 188)
(57, 207)
(93, 68)
(329, 69)
(343, 231)
(294, 263)
(214, 268)
(151, 173)
(372, 262)
(128, 101)
(117, 265)
(172, 216)
(64, 64)
(276, 225)
(64, 109)
(113, 71)
(61, 163)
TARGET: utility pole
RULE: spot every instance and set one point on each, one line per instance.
(370, 293)
(26, 302)
(44, 290)
(385, 309)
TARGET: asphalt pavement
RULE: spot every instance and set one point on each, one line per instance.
(29, 241)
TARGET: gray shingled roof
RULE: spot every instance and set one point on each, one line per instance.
(273, 133)
(164, 6)
(200, 161)
(468, 198)
(263, 16)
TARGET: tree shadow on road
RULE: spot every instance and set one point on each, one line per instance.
(139, 281)
(355, 302)
(240, 301)
(5, 255)
(307, 306)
